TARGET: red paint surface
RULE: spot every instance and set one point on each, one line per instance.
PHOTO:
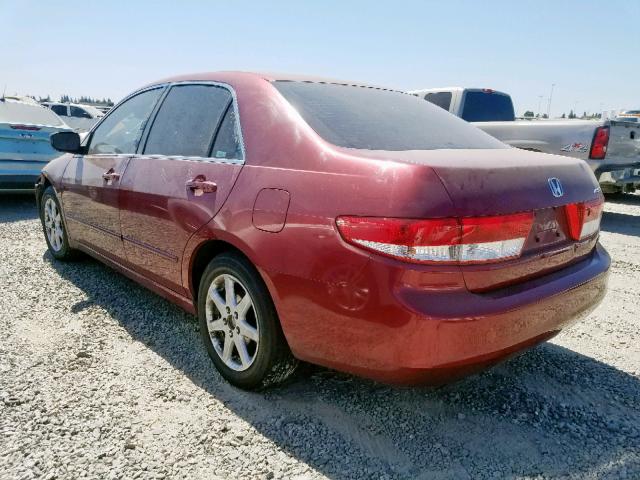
(339, 305)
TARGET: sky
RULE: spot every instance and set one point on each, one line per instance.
(588, 49)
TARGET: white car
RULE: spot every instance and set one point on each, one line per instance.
(79, 117)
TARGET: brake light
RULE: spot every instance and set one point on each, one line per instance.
(583, 219)
(599, 144)
(441, 240)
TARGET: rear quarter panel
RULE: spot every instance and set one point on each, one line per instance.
(317, 281)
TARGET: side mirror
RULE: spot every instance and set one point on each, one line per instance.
(66, 142)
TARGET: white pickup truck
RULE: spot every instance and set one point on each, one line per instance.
(610, 147)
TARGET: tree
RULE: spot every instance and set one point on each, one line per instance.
(528, 114)
(571, 114)
(564, 116)
(544, 115)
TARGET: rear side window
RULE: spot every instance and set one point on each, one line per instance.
(187, 121)
(441, 99)
(227, 143)
(79, 112)
(487, 107)
(375, 119)
(121, 130)
(59, 110)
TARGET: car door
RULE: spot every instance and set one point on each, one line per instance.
(191, 157)
(91, 181)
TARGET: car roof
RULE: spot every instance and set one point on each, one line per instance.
(230, 76)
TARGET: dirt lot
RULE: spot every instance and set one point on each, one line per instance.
(100, 378)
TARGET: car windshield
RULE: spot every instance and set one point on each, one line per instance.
(376, 119)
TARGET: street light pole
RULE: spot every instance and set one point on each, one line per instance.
(539, 103)
(550, 97)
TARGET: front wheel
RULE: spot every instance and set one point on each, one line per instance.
(240, 326)
(53, 226)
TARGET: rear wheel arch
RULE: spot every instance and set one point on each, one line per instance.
(203, 255)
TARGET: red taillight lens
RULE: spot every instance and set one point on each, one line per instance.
(583, 219)
(599, 144)
(448, 240)
(32, 128)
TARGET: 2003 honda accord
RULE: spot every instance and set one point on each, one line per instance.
(350, 226)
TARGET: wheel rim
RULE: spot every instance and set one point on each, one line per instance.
(232, 322)
(53, 224)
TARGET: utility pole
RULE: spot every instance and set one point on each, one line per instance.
(549, 104)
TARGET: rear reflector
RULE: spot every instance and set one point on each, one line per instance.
(599, 144)
(583, 219)
(441, 240)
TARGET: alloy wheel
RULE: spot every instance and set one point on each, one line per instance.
(53, 224)
(232, 322)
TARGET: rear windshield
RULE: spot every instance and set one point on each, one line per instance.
(27, 113)
(487, 107)
(375, 119)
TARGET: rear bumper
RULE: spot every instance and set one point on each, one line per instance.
(617, 174)
(409, 335)
(520, 317)
(19, 175)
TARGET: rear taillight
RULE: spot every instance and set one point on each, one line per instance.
(599, 144)
(442, 240)
(32, 128)
(583, 219)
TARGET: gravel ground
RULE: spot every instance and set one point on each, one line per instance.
(100, 378)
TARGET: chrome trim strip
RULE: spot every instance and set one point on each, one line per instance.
(150, 248)
(96, 227)
(233, 161)
(146, 246)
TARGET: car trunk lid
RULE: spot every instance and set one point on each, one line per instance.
(510, 181)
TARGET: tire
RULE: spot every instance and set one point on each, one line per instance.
(245, 341)
(53, 226)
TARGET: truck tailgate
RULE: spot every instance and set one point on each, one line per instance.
(624, 144)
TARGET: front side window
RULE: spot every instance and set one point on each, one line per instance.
(120, 132)
(441, 99)
(377, 119)
(187, 121)
(59, 110)
(79, 112)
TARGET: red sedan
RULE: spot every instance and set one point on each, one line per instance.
(351, 226)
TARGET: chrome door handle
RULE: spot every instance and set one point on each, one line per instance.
(200, 185)
(110, 175)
